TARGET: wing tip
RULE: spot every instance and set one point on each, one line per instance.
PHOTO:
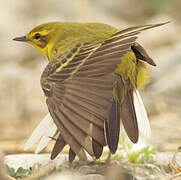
(160, 24)
(134, 139)
(97, 149)
(149, 26)
(72, 156)
(58, 147)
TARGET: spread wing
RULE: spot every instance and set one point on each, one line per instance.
(79, 94)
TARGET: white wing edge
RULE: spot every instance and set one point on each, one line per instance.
(43, 131)
(142, 118)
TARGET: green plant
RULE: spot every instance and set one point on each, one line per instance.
(19, 173)
(144, 155)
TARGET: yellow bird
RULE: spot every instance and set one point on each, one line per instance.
(90, 83)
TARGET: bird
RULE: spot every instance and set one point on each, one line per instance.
(91, 84)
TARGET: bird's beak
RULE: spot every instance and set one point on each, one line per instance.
(22, 38)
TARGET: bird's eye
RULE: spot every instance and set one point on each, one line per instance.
(37, 36)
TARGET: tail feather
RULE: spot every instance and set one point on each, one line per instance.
(129, 118)
(142, 118)
(46, 138)
(43, 131)
(112, 126)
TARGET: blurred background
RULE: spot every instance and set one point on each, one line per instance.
(22, 103)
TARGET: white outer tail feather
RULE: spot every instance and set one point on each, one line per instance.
(142, 118)
(43, 131)
(143, 125)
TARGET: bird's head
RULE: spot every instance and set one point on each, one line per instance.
(41, 37)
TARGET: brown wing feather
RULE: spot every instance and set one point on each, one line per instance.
(59, 145)
(67, 137)
(135, 29)
(72, 155)
(79, 95)
(141, 54)
(97, 148)
(113, 126)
